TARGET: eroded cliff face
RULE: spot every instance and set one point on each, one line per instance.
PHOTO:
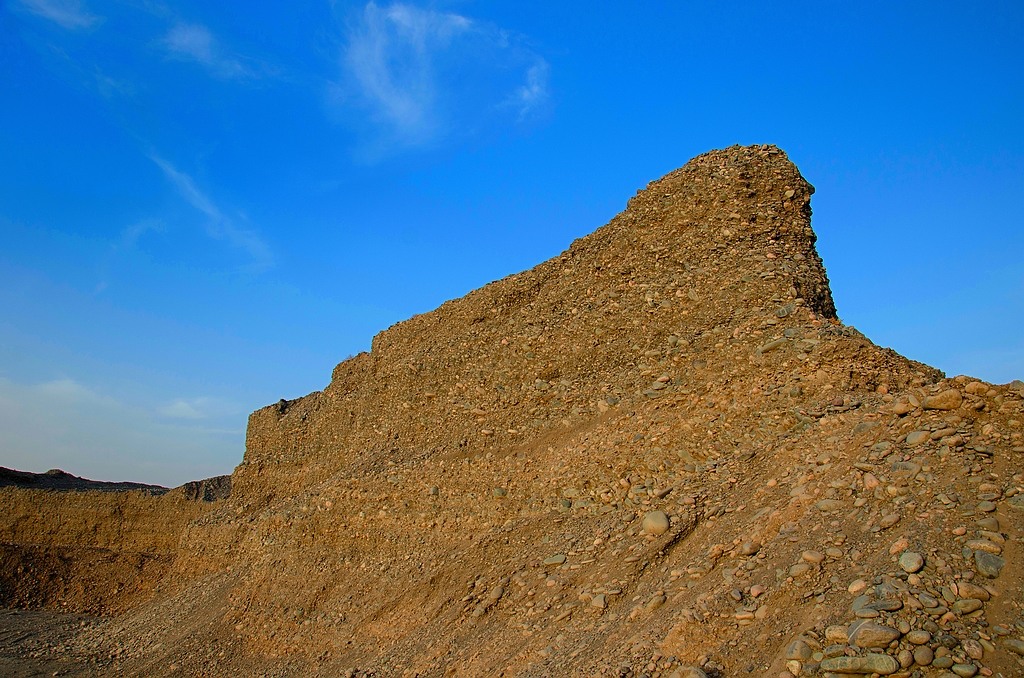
(704, 250)
(658, 450)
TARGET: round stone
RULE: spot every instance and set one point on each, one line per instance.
(813, 557)
(918, 437)
(655, 522)
(749, 548)
(911, 561)
(918, 637)
(799, 569)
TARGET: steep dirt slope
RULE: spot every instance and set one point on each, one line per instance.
(657, 454)
(92, 550)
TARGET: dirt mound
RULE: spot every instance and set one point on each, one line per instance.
(657, 454)
(92, 546)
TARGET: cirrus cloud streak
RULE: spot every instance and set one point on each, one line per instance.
(421, 75)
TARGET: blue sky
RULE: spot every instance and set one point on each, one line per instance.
(206, 206)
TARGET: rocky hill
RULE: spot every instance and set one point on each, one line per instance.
(56, 479)
(658, 454)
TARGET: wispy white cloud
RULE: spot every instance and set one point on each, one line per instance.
(195, 408)
(187, 188)
(423, 74)
(532, 96)
(67, 390)
(195, 42)
(69, 14)
(109, 87)
(180, 409)
(391, 57)
(131, 235)
(218, 225)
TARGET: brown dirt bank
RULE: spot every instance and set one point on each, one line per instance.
(659, 453)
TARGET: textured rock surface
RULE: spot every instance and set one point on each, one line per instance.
(685, 358)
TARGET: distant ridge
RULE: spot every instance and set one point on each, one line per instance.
(56, 480)
(62, 481)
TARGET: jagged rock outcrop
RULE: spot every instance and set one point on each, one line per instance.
(208, 489)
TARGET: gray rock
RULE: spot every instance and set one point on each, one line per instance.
(881, 664)
(749, 548)
(888, 521)
(885, 605)
(990, 523)
(799, 650)
(973, 648)
(655, 602)
(988, 564)
(688, 672)
(911, 561)
(828, 505)
(799, 569)
(966, 606)
(864, 427)
(865, 633)
(918, 437)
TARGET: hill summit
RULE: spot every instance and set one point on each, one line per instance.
(659, 453)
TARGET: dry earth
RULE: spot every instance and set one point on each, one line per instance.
(658, 454)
